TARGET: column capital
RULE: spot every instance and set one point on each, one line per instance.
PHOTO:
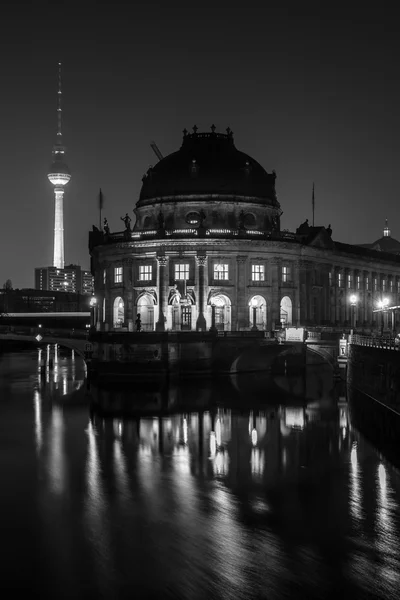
(201, 259)
(162, 260)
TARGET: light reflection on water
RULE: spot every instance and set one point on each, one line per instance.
(271, 500)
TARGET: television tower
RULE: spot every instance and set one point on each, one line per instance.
(59, 175)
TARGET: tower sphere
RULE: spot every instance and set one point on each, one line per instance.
(59, 174)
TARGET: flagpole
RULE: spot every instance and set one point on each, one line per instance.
(100, 206)
(313, 205)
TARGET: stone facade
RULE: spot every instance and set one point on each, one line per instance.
(217, 259)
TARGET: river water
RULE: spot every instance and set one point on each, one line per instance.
(262, 499)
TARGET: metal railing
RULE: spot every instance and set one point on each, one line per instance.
(375, 342)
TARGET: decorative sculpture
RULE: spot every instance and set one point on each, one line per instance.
(127, 220)
(106, 227)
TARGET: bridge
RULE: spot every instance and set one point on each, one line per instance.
(139, 354)
(76, 344)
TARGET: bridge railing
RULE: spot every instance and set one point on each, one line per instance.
(375, 342)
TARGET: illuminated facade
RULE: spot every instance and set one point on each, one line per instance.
(59, 175)
(69, 279)
(207, 252)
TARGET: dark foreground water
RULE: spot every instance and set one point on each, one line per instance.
(283, 501)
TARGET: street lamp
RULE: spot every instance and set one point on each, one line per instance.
(353, 303)
(253, 304)
(383, 304)
(213, 328)
(93, 303)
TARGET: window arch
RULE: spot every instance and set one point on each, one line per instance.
(145, 307)
(260, 305)
(286, 311)
(118, 312)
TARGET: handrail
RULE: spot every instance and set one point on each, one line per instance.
(375, 342)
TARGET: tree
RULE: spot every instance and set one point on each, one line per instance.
(7, 286)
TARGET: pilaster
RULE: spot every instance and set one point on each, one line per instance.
(201, 260)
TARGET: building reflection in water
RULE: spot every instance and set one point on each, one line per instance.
(57, 457)
(96, 507)
(37, 404)
(355, 486)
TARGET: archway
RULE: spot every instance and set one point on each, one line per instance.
(145, 307)
(222, 309)
(259, 304)
(286, 311)
(118, 312)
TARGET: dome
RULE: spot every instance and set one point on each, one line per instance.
(208, 164)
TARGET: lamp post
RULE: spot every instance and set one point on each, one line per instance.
(253, 304)
(353, 303)
(93, 303)
(213, 328)
(382, 304)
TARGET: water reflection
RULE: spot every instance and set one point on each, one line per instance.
(211, 500)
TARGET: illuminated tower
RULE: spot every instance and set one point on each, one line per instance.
(59, 176)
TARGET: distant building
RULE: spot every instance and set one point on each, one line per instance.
(28, 300)
(386, 243)
(69, 279)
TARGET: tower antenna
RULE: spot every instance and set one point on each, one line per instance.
(59, 175)
(59, 107)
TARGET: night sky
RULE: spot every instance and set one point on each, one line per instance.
(314, 96)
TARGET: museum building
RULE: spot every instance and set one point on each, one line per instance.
(207, 252)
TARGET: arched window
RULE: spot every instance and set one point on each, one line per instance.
(118, 312)
(286, 311)
(258, 312)
(145, 307)
(222, 311)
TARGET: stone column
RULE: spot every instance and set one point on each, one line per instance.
(241, 308)
(128, 295)
(201, 260)
(296, 278)
(275, 264)
(162, 263)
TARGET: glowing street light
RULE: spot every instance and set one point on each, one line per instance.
(93, 303)
(353, 303)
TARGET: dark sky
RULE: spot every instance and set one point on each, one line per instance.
(313, 95)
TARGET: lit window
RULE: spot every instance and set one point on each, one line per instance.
(145, 272)
(117, 274)
(391, 285)
(220, 271)
(257, 273)
(181, 272)
(104, 276)
(383, 285)
(375, 284)
(358, 282)
(349, 282)
(285, 274)
(340, 280)
(367, 283)
(398, 286)
(330, 278)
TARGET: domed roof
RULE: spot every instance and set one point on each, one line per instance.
(208, 163)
